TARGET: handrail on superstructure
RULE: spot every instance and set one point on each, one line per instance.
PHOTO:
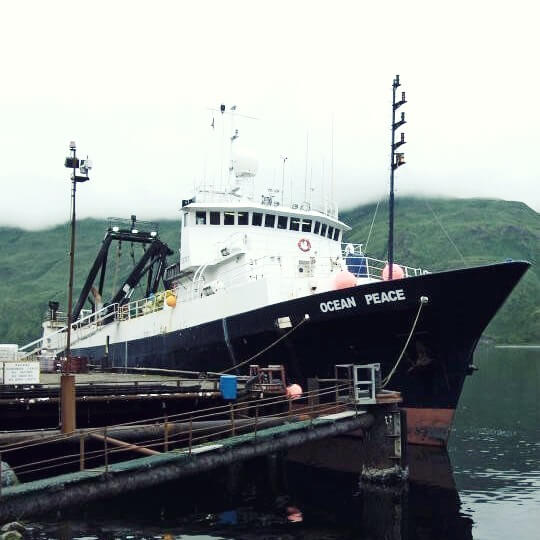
(111, 309)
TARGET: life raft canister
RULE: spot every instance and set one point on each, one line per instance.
(304, 244)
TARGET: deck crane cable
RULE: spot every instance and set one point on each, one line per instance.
(445, 232)
(267, 348)
(386, 380)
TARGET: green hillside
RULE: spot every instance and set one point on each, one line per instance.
(438, 234)
(34, 264)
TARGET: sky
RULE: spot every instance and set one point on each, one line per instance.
(133, 83)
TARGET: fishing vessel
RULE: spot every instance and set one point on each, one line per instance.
(262, 281)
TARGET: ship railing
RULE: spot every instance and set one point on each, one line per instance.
(140, 307)
(288, 267)
(58, 319)
(211, 194)
(284, 266)
(363, 266)
(95, 319)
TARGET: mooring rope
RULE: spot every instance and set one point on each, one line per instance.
(386, 380)
(273, 344)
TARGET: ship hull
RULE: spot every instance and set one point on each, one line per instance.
(363, 324)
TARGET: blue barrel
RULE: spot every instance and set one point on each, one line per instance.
(357, 265)
(228, 386)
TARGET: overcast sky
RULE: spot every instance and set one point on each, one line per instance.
(131, 82)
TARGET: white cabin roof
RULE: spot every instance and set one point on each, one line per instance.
(246, 205)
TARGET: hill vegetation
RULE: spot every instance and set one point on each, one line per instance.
(34, 264)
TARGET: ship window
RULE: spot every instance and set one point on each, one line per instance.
(243, 218)
(257, 219)
(228, 218)
(215, 218)
(269, 220)
(295, 224)
(317, 227)
(323, 229)
(200, 218)
(330, 232)
(336, 234)
(186, 216)
(282, 222)
(306, 225)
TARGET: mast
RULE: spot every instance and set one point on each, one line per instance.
(84, 165)
(396, 160)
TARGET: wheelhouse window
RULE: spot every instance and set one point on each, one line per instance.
(228, 218)
(330, 232)
(323, 229)
(269, 220)
(243, 218)
(336, 234)
(295, 224)
(282, 222)
(306, 225)
(256, 219)
(200, 218)
(186, 218)
(215, 218)
(317, 227)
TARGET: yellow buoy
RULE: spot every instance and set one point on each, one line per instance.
(171, 300)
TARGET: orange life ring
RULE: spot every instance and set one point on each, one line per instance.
(304, 244)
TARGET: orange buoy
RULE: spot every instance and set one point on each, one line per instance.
(171, 300)
(344, 280)
(294, 391)
(397, 272)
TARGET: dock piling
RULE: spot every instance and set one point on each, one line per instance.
(67, 403)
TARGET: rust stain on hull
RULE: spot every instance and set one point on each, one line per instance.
(429, 427)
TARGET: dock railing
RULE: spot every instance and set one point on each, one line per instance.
(187, 433)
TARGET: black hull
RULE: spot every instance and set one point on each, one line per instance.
(431, 374)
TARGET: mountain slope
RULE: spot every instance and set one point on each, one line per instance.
(34, 264)
(438, 234)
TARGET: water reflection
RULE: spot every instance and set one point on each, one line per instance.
(495, 446)
(277, 498)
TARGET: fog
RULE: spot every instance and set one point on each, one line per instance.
(133, 84)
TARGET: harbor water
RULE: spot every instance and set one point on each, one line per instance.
(487, 486)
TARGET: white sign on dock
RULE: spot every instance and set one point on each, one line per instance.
(9, 352)
(20, 372)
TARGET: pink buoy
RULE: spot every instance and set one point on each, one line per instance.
(294, 514)
(294, 391)
(344, 280)
(397, 272)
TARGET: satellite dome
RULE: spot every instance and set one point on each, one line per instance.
(245, 165)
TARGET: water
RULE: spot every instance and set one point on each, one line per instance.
(495, 449)
(486, 487)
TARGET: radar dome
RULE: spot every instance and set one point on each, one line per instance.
(245, 165)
